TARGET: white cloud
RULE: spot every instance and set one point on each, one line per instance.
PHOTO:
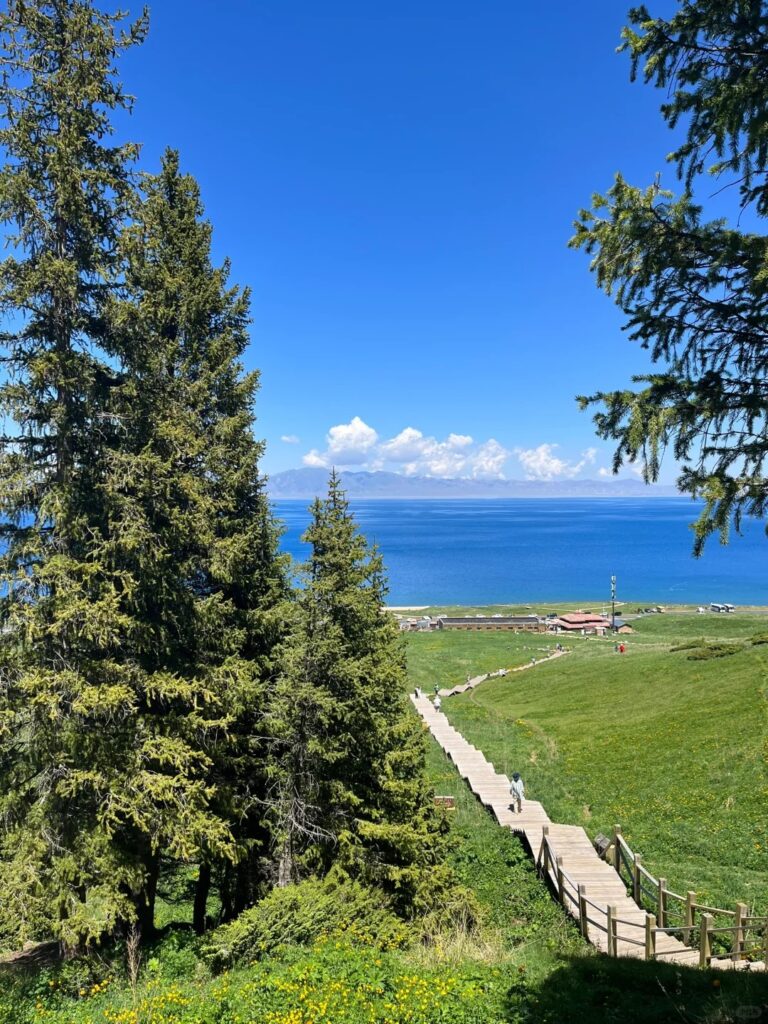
(459, 440)
(408, 444)
(289, 439)
(489, 459)
(314, 459)
(410, 452)
(542, 464)
(635, 468)
(348, 444)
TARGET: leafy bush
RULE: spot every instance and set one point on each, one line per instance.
(714, 651)
(299, 914)
(759, 638)
(700, 650)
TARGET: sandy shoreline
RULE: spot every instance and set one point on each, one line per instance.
(406, 607)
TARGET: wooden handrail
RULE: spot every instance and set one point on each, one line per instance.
(638, 871)
(714, 910)
(630, 924)
(644, 871)
(568, 890)
(729, 928)
(674, 896)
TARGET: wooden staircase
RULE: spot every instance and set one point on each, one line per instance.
(590, 889)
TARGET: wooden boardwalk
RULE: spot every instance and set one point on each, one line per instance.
(476, 680)
(589, 888)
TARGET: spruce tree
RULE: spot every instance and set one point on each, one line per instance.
(351, 777)
(141, 571)
(199, 540)
(63, 190)
(692, 290)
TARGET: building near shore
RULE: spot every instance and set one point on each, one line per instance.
(622, 627)
(418, 625)
(581, 623)
(515, 623)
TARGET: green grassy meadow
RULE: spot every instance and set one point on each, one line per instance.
(671, 748)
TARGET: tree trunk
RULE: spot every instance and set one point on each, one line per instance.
(145, 909)
(285, 865)
(202, 889)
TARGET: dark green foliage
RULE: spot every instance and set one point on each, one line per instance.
(759, 638)
(198, 537)
(694, 291)
(155, 723)
(301, 913)
(351, 775)
(63, 192)
(141, 578)
(707, 651)
(700, 650)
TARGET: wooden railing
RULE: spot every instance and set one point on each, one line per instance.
(683, 917)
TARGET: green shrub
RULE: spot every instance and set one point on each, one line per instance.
(689, 645)
(700, 650)
(759, 638)
(714, 651)
(299, 914)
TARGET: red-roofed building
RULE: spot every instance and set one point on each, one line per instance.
(581, 622)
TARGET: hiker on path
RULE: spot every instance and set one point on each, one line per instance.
(517, 792)
(437, 702)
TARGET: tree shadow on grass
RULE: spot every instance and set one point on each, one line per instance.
(601, 990)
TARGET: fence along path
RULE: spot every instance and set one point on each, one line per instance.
(476, 680)
(590, 889)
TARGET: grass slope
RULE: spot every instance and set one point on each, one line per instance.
(672, 749)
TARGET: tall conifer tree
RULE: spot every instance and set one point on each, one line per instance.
(353, 788)
(63, 189)
(198, 538)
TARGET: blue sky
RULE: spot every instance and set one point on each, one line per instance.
(396, 183)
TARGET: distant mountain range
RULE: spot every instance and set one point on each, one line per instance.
(309, 483)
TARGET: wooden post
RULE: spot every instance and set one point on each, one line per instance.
(650, 937)
(738, 932)
(583, 912)
(705, 940)
(617, 848)
(637, 892)
(690, 914)
(543, 852)
(560, 886)
(611, 927)
(661, 912)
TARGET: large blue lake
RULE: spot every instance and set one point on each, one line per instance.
(495, 551)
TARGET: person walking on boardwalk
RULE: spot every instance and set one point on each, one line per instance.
(437, 702)
(517, 792)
